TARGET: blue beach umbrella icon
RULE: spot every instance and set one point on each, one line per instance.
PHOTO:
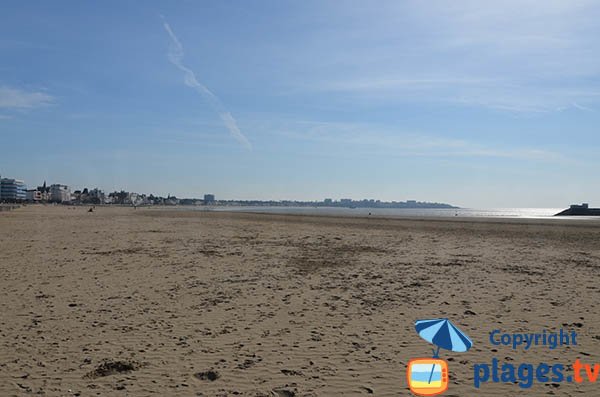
(443, 334)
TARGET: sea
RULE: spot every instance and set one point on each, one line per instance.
(532, 213)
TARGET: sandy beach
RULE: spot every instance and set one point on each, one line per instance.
(124, 302)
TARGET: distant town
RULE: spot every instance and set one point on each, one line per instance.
(16, 191)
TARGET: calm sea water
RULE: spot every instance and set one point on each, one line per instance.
(542, 213)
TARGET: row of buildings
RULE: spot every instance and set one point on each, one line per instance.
(55, 193)
(15, 190)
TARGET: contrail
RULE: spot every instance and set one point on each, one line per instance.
(176, 56)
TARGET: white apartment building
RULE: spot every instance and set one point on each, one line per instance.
(60, 193)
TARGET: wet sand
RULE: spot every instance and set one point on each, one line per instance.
(124, 302)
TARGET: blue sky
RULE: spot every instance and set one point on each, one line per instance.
(494, 105)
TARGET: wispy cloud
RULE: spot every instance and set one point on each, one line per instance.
(377, 140)
(492, 93)
(515, 56)
(581, 107)
(398, 83)
(14, 98)
(176, 57)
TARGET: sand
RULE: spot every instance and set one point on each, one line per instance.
(124, 302)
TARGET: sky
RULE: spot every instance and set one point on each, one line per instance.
(476, 104)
